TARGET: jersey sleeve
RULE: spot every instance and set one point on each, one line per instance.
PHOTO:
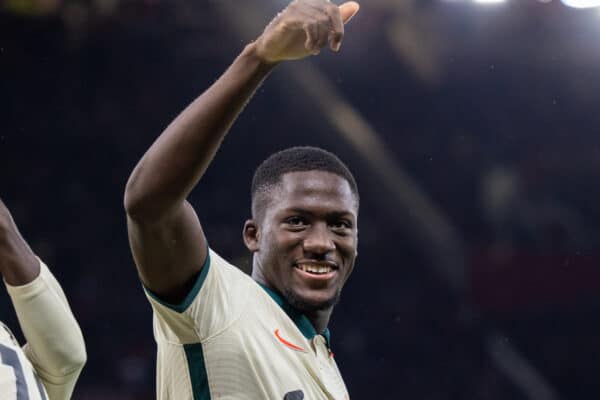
(55, 345)
(214, 303)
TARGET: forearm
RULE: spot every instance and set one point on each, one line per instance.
(55, 344)
(177, 160)
(18, 264)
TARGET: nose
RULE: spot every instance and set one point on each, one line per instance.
(318, 241)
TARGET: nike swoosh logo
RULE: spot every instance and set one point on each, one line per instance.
(288, 344)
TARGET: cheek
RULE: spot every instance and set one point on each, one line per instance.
(285, 240)
(278, 244)
(348, 246)
(350, 261)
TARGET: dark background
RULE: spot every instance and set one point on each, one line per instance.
(490, 110)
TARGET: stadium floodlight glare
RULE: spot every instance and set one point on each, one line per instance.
(581, 3)
(489, 1)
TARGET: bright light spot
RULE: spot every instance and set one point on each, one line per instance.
(489, 1)
(582, 3)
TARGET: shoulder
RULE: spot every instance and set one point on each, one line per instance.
(6, 336)
(219, 296)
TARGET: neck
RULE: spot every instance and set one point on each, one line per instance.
(318, 318)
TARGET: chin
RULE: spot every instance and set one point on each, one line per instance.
(308, 304)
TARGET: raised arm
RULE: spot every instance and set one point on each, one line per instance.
(55, 344)
(18, 263)
(166, 238)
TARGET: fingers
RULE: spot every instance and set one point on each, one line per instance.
(311, 36)
(325, 23)
(336, 34)
(322, 38)
(3, 210)
(348, 10)
(5, 218)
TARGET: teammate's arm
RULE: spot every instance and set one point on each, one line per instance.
(18, 264)
(166, 238)
(55, 344)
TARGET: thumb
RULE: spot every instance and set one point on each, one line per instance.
(348, 10)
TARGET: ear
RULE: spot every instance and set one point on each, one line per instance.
(251, 235)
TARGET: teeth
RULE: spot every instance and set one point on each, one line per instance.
(315, 269)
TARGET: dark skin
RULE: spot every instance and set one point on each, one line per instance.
(18, 264)
(310, 219)
(165, 234)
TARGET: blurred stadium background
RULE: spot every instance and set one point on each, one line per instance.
(472, 127)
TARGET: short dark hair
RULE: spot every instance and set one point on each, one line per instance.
(298, 159)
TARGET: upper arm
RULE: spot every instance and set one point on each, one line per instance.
(169, 253)
(219, 297)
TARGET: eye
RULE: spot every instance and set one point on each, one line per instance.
(296, 222)
(341, 224)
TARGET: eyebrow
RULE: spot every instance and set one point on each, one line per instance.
(329, 215)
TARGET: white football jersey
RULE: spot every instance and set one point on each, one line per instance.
(48, 365)
(231, 338)
(18, 380)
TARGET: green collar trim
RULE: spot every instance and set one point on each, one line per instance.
(301, 321)
(189, 298)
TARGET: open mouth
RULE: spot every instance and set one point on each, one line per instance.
(316, 268)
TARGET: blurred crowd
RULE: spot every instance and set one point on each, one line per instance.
(492, 112)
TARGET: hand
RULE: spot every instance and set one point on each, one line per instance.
(9, 233)
(303, 29)
(18, 264)
(6, 221)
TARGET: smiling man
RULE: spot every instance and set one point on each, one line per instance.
(222, 334)
(303, 234)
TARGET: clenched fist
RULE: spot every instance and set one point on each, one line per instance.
(6, 222)
(303, 29)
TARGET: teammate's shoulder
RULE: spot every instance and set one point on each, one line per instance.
(6, 336)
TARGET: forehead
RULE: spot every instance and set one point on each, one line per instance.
(314, 191)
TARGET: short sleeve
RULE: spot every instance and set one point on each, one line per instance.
(215, 301)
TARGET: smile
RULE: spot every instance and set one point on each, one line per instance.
(319, 270)
(315, 268)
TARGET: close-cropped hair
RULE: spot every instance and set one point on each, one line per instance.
(297, 159)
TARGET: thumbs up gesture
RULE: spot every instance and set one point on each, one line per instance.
(303, 28)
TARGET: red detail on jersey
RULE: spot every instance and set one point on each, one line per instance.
(330, 353)
(288, 344)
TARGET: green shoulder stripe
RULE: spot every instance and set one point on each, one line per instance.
(195, 359)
